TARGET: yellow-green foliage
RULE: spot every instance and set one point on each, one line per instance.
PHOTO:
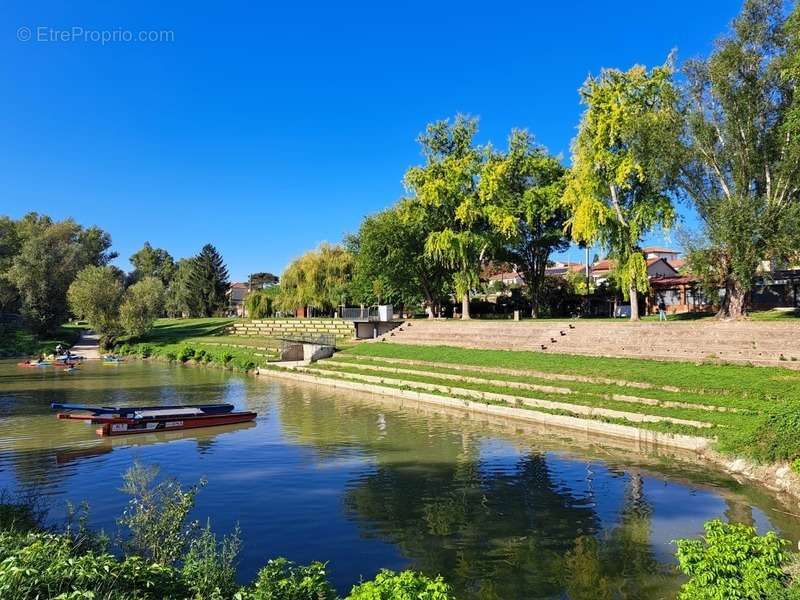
(625, 159)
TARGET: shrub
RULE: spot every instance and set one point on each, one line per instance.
(209, 567)
(156, 515)
(144, 350)
(185, 353)
(407, 585)
(44, 565)
(170, 355)
(281, 579)
(731, 561)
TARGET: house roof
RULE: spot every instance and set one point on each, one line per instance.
(603, 265)
(238, 285)
(666, 282)
(676, 263)
(659, 250)
(501, 276)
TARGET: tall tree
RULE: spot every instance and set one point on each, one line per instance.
(528, 184)
(152, 262)
(446, 187)
(624, 163)
(9, 247)
(96, 295)
(742, 166)
(177, 298)
(207, 283)
(390, 263)
(319, 279)
(50, 256)
(142, 305)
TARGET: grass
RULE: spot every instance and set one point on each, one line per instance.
(200, 341)
(764, 402)
(20, 342)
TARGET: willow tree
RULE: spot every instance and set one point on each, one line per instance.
(464, 225)
(527, 183)
(319, 278)
(743, 150)
(624, 163)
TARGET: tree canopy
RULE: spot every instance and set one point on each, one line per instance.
(741, 163)
(624, 164)
(207, 282)
(152, 262)
(527, 183)
(318, 279)
(41, 258)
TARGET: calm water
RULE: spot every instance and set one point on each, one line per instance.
(364, 483)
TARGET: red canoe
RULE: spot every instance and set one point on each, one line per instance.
(174, 422)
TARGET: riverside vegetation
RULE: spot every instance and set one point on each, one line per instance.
(161, 553)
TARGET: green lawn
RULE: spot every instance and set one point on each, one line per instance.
(201, 341)
(19, 342)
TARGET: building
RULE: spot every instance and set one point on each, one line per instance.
(657, 252)
(656, 267)
(236, 294)
(509, 278)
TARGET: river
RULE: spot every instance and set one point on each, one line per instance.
(501, 511)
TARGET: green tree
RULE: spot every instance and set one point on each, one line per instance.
(152, 262)
(261, 303)
(262, 280)
(96, 295)
(390, 263)
(742, 167)
(527, 183)
(177, 297)
(207, 283)
(624, 163)
(50, 255)
(464, 226)
(319, 279)
(398, 586)
(143, 303)
(9, 247)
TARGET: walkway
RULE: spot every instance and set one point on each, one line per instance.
(88, 345)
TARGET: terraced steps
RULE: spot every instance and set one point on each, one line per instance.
(512, 400)
(774, 344)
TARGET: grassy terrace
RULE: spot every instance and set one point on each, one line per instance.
(202, 341)
(752, 411)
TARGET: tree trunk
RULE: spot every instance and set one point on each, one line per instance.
(465, 306)
(734, 303)
(634, 304)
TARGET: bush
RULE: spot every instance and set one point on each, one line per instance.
(281, 579)
(209, 567)
(407, 585)
(731, 561)
(44, 565)
(156, 515)
(186, 353)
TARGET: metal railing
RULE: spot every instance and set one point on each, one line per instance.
(359, 314)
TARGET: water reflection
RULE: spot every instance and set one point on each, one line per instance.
(502, 510)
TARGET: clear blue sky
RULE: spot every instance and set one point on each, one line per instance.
(266, 129)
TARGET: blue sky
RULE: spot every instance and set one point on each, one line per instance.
(266, 129)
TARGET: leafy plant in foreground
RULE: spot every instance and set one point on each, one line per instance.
(407, 585)
(732, 562)
(157, 515)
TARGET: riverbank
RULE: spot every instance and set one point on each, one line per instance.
(735, 417)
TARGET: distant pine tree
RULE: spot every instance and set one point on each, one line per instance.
(207, 283)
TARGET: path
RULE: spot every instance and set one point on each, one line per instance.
(88, 345)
